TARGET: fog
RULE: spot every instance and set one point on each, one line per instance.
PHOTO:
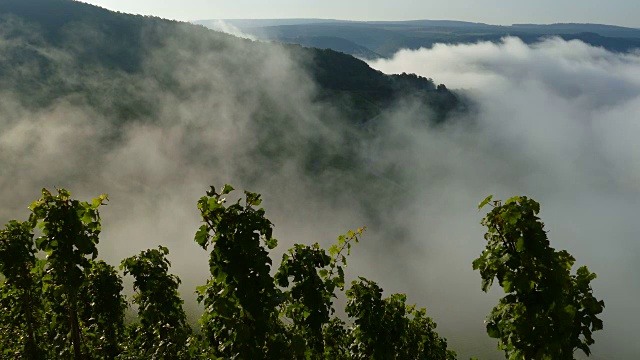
(555, 121)
(155, 169)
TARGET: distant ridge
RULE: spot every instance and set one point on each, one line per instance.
(374, 39)
(600, 29)
(269, 22)
(421, 22)
(573, 24)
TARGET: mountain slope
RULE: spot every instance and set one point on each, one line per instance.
(94, 41)
(107, 74)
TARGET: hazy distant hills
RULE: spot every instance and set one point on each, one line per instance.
(374, 39)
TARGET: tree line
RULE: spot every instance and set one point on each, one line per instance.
(59, 301)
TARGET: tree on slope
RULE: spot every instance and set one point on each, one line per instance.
(161, 331)
(60, 302)
(251, 314)
(548, 313)
(70, 230)
(21, 309)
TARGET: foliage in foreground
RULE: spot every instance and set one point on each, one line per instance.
(69, 304)
(548, 313)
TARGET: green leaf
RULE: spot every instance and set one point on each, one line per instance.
(486, 284)
(40, 241)
(571, 310)
(272, 243)
(202, 236)
(96, 202)
(493, 331)
(87, 217)
(213, 204)
(485, 202)
(514, 199)
(507, 286)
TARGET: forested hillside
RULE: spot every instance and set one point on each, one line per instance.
(101, 49)
(128, 70)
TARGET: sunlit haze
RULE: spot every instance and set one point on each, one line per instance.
(502, 12)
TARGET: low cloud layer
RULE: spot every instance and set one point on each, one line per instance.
(555, 121)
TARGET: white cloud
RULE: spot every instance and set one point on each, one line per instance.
(555, 120)
(225, 27)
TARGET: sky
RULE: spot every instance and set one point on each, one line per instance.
(501, 12)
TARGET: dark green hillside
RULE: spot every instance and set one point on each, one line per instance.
(110, 39)
(127, 70)
(66, 47)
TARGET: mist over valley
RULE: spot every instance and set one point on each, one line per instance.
(405, 137)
